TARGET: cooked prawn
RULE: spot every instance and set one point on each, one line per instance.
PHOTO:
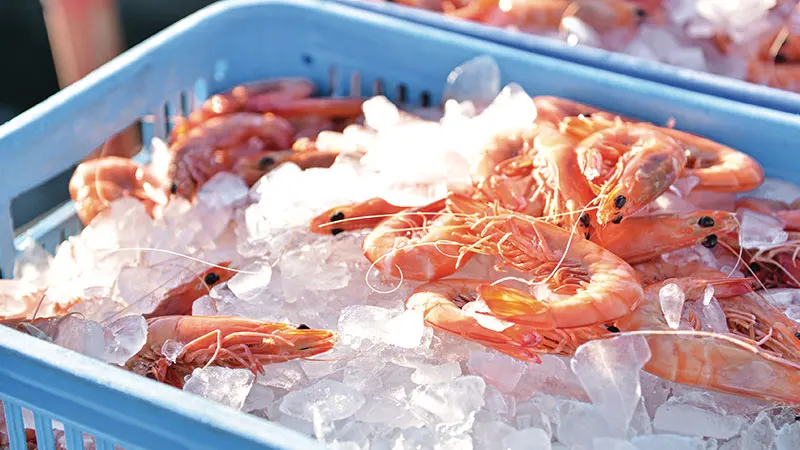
(236, 100)
(252, 168)
(97, 182)
(712, 362)
(179, 300)
(442, 303)
(355, 216)
(592, 285)
(645, 162)
(227, 341)
(641, 238)
(423, 243)
(216, 145)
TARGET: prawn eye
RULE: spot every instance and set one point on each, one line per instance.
(797, 335)
(755, 267)
(780, 58)
(619, 201)
(336, 231)
(588, 114)
(617, 219)
(173, 189)
(710, 241)
(265, 162)
(211, 278)
(612, 329)
(640, 13)
(303, 326)
(585, 220)
(706, 222)
(337, 217)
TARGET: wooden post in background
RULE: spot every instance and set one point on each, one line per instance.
(83, 35)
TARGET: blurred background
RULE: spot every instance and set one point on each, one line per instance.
(32, 78)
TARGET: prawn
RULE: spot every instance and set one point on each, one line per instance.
(236, 100)
(443, 302)
(179, 300)
(226, 341)
(252, 168)
(646, 163)
(713, 362)
(717, 167)
(98, 182)
(422, 244)
(620, 18)
(217, 145)
(355, 216)
(641, 238)
(590, 284)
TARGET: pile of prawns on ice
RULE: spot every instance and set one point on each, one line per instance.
(576, 206)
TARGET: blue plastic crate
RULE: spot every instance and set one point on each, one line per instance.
(235, 41)
(697, 81)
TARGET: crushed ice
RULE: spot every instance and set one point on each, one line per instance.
(391, 382)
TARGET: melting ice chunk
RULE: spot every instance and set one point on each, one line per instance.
(608, 370)
(124, 338)
(672, 298)
(759, 231)
(501, 371)
(406, 329)
(83, 336)
(430, 374)
(692, 421)
(331, 399)
(252, 281)
(220, 384)
(527, 439)
(476, 81)
(223, 190)
(450, 405)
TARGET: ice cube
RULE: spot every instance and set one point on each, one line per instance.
(788, 437)
(332, 399)
(361, 324)
(476, 81)
(775, 189)
(223, 190)
(578, 423)
(490, 435)
(450, 406)
(380, 113)
(531, 414)
(83, 336)
(692, 421)
(527, 439)
(143, 288)
(672, 298)
(288, 375)
(220, 384)
(406, 329)
(124, 338)
(668, 442)
(606, 443)
(499, 370)
(553, 376)
(171, 350)
(431, 374)
(32, 261)
(252, 281)
(608, 370)
(759, 231)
